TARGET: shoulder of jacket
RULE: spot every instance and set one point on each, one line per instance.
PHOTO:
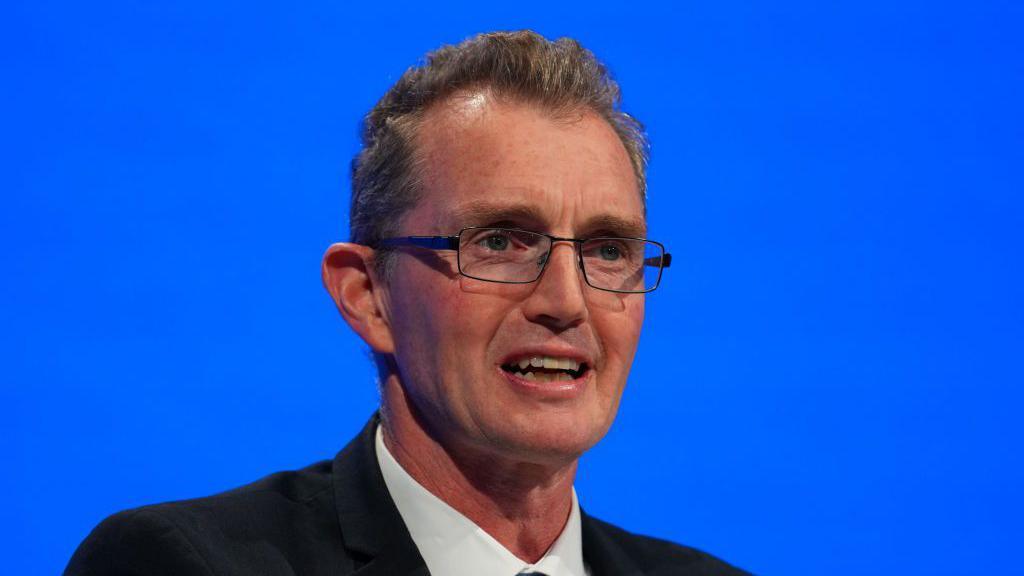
(660, 556)
(137, 541)
(192, 530)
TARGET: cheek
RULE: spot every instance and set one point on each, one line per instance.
(445, 322)
(621, 331)
(417, 321)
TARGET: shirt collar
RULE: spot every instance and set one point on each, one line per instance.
(452, 545)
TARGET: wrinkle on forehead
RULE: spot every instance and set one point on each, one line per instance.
(438, 136)
(481, 212)
(475, 145)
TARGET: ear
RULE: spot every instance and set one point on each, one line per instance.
(348, 274)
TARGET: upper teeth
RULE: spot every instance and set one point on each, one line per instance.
(549, 362)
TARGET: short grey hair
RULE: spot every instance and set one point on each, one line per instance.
(560, 76)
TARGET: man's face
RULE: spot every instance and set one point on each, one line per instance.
(497, 164)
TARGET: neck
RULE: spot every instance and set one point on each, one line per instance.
(523, 505)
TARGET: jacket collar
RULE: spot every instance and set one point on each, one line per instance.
(603, 556)
(371, 526)
(373, 530)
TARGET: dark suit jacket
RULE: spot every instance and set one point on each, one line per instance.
(332, 518)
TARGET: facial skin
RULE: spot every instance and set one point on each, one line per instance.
(500, 449)
(487, 162)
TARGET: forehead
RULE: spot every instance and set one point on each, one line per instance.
(488, 162)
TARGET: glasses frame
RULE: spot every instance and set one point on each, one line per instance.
(454, 242)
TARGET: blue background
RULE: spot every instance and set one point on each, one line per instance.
(829, 381)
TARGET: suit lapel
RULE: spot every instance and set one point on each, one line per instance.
(371, 526)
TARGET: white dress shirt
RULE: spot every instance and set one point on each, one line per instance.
(452, 545)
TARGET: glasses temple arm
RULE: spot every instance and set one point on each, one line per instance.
(664, 261)
(431, 242)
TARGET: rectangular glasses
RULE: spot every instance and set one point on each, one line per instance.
(513, 256)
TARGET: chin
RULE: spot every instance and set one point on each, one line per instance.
(551, 439)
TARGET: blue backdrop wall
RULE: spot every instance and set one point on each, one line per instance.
(829, 382)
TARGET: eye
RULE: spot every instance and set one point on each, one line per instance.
(497, 242)
(610, 252)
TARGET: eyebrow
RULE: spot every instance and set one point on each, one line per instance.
(485, 212)
(488, 213)
(614, 226)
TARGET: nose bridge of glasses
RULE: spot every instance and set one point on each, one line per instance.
(553, 241)
(576, 268)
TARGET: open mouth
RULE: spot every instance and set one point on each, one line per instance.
(546, 369)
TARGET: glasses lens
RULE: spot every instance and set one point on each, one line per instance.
(502, 255)
(622, 264)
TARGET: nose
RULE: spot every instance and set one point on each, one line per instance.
(558, 300)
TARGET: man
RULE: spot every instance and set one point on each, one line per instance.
(498, 270)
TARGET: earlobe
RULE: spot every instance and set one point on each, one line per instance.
(348, 275)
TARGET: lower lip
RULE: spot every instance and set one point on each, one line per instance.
(554, 390)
